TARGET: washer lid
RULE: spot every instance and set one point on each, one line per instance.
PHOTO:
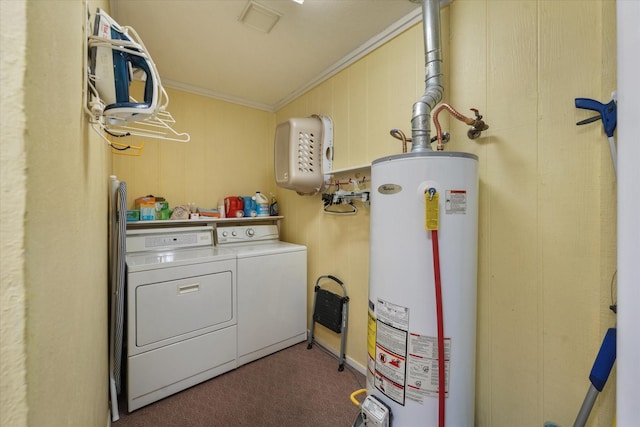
(266, 248)
(173, 258)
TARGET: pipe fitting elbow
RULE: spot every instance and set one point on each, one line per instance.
(478, 126)
(476, 130)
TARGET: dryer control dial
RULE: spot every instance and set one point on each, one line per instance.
(250, 232)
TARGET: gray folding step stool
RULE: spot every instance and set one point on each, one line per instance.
(331, 311)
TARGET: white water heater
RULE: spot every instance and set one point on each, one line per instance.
(402, 337)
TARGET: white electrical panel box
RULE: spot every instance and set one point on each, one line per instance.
(303, 153)
(375, 413)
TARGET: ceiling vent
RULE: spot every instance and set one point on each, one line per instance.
(259, 17)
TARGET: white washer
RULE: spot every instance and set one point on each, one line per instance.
(181, 311)
(272, 289)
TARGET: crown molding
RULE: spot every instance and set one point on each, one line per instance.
(363, 50)
(216, 95)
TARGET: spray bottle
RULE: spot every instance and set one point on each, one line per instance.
(273, 207)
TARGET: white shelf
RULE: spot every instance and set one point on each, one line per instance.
(349, 169)
(200, 221)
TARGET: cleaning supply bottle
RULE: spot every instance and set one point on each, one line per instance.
(273, 207)
(262, 204)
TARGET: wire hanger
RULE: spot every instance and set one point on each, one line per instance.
(347, 208)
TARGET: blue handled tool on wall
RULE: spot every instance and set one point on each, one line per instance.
(599, 374)
(607, 354)
(608, 115)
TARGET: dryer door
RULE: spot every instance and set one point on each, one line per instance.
(169, 309)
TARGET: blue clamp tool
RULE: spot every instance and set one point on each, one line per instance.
(609, 116)
(608, 113)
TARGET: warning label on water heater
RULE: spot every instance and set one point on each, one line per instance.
(422, 367)
(455, 202)
(390, 370)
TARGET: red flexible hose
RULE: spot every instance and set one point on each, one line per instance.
(440, 321)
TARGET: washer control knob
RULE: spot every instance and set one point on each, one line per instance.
(250, 232)
(225, 234)
(234, 234)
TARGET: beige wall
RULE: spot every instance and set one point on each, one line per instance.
(547, 210)
(230, 154)
(58, 247)
(13, 357)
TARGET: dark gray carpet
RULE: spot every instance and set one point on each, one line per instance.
(292, 388)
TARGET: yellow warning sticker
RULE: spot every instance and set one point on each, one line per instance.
(431, 211)
(371, 335)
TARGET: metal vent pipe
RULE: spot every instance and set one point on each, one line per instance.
(421, 118)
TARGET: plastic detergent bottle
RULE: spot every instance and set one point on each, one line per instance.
(262, 204)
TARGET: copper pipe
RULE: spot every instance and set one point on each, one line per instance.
(398, 134)
(455, 114)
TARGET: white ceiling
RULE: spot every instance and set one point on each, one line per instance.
(200, 45)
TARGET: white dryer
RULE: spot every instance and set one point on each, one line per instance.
(272, 289)
(181, 311)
